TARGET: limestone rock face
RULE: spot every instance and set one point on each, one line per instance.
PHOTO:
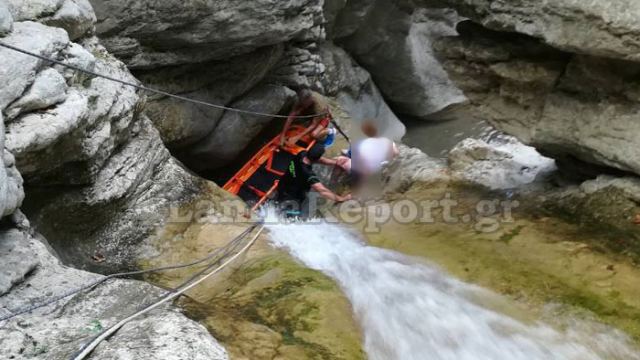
(560, 76)
(216, 149)
(344, 17)
(57, 331)
(75, 16)
(216, 52)
(99, 183)
(181, 123)
(11, 190)
(505, 165)
(356, 92)
(396, 48)
(6, 19)
(85, 148)
(33, 37)
(568, 106)
(223, 51)
(599, 28)
(155, 33)
(48, 88)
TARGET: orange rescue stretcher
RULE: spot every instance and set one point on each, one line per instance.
(259, 177)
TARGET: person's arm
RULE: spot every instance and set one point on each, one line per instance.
(311, 127)
(298, 109)
(395, 151)
(328, 194)
(287, 125)
(329, 162)
(342, 162)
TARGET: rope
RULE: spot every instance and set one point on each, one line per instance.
(189, 284)
(156, 91)
(18, 312)
(344, 135)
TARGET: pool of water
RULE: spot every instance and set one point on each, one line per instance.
(438, 136)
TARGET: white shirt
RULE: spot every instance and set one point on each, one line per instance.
(369, 155)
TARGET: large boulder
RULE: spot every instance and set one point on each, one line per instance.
(235, 130)
(155, 33)
(413, 166)
(183, 123)
(58, 330)
(75, 16)
(506, 164)
(396, 48)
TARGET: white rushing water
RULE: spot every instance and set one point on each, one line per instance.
(409, 309)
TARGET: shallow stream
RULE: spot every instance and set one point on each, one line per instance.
(411, 309)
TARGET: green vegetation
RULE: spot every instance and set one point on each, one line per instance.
(283, 298)
(268, 306)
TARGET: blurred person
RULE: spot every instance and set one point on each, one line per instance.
(368, 156)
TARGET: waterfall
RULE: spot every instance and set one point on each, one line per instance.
(409, 309)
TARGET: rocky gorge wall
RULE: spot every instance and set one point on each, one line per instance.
(560, 76)
(97, 179)
(92, 156)
(236, 53)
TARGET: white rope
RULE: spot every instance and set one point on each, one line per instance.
(93, 344)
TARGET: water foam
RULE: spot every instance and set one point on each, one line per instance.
(409, 309)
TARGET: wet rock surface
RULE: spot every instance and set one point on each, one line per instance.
(267, 305)
(505, 165)
(607, 206)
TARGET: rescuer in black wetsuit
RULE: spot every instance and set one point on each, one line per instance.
(300, 179)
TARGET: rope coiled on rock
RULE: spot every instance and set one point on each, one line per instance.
(185, 286)
(232, 244)
(156, 91)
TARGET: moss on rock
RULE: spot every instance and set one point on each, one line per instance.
(267, 306)
(537, 259)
